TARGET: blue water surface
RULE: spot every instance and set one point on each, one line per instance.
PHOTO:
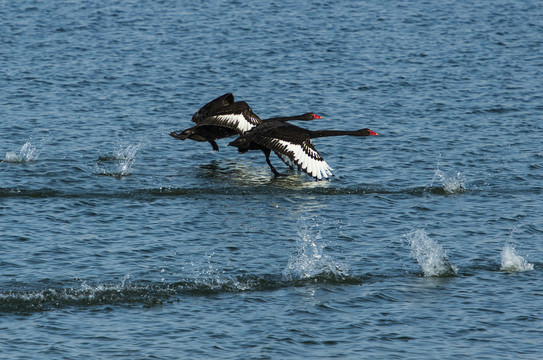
(118, 241)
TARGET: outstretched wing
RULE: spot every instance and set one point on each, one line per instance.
(212, 107)
(302, 154)
(285, 159)
(237, 116)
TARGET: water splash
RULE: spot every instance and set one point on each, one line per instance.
(452, 183)
(310, 260)
(511, 261)
(123, 159)
(429, 254)
(210, 278)
(29, 152)
(126, 157)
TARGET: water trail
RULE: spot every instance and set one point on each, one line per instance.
(310, 260)
(429, 254)
(29, 152)
(125, 292)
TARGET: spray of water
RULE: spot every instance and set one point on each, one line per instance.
(91, 291)
(452, 183)
(310, 260)
(31, 149)
(209, 277)
(511, 261)
(429, 254)
(126, 157)
(29, 152)
(122, 160)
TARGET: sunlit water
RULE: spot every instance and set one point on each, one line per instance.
(119, 241)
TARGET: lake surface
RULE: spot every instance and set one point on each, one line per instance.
(118, 241)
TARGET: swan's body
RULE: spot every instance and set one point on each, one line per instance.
(220, 118)
(223, 117)
(292, 144)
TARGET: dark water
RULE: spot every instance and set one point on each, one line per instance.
(118, 241)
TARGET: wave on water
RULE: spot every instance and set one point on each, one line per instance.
(212, 281)
(429, 254)
(209, 278)
(119, 169)
(310, 265)
(511, 261)
(32, 300)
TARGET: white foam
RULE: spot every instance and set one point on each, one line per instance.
(429, 254)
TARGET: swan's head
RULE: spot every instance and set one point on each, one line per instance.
(366, 132)
(242, 143)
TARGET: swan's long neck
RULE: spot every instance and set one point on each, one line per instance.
(324, 133)
(305, 117)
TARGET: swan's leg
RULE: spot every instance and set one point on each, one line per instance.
(214, 145)
(267, 153)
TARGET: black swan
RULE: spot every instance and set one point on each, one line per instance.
(223, 117)
(292, 144)
(222, 106)
(211, 107)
